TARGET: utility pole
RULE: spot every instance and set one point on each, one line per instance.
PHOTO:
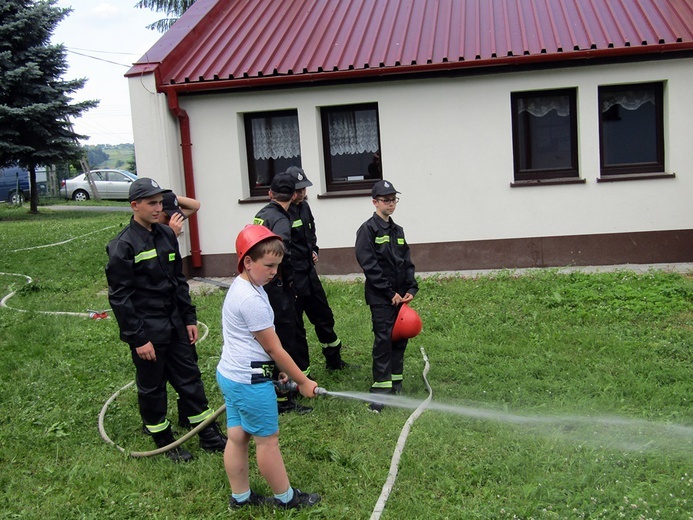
(90, 179)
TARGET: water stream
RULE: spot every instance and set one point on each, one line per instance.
(600, 431)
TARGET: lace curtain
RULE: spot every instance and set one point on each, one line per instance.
(540, 106)
(275, 137)
(630, 100)
(353, 132)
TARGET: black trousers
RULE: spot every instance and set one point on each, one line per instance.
(176, 363)
(388, 355)
(315, 305)
(293, 338)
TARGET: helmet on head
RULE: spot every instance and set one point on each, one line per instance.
(250, 236)
(407, 325)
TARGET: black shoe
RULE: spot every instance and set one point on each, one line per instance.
(165, 438)
(337, 365)
(292, 406)
(211, 438)
(253, 500)
(376, 407)
(299, 501)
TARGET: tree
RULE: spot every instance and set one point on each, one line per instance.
(172, 8)
(35, 107)
(95, 156)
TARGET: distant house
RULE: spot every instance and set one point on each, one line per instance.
(520, 133)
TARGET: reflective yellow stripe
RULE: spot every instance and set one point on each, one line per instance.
(382, 240)
(258, 221)
(382, 384)
(397, 377)
(334, 343)
(145, 255)
(400, 241)
(157, 428)
(297, 223)
(196, 419)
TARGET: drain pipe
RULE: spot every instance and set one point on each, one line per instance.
(186, 149)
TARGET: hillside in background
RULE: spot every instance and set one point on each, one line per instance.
(120, 156)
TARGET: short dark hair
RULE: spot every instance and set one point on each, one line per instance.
(271, 246)
(282, 197)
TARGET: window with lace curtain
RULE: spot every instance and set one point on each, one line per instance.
(545, 135)
(351, 145)
(631, 130)
(272, 145)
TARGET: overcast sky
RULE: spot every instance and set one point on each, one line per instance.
(103, 39)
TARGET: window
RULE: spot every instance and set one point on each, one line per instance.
(544, 135)
(631, 129)
(272, 144)
(351, 145)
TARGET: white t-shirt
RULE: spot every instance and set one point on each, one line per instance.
(246, 308)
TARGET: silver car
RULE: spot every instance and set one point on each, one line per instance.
(111, 184)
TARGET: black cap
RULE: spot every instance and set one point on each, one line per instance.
(300, 176)
(283, 183)
(170, 204)
(143, 188)
(381, 188)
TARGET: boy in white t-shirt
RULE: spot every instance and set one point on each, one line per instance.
(244, 373)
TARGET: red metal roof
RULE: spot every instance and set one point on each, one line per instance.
(228, 43)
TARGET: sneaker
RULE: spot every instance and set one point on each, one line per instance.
(253, 500)
(299, 501)
(376, 407)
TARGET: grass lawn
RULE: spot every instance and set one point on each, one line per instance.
(557, 396)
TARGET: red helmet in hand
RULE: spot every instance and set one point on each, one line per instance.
(407, 325)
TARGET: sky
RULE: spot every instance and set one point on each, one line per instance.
(103, 39)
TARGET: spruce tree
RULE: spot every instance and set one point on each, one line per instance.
(35, 108)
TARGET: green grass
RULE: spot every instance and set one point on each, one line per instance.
(566, 350)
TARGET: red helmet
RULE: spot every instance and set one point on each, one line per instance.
(250, 236)
(407, 325)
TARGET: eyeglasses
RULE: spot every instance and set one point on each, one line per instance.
(389, 201)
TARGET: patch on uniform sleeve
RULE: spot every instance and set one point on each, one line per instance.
(172, 257)
(258, 221)
(400, 241)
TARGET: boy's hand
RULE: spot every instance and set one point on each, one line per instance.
(146, 351)
(176, 223)
(307, 389)
(407, 298)
(396, 299)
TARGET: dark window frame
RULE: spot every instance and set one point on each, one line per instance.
(571, 172)
(260, 190)
(331, 184)
(642, 168)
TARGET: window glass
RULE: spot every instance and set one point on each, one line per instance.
(273, 144)
(545, 134)
(351, 145)
(630, 119)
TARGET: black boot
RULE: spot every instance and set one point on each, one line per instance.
(333, 358)
(165, 438)
(211, 438)
(286, 403)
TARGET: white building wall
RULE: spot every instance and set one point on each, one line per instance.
(446, 145)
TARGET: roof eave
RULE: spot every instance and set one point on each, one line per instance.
(404, 70)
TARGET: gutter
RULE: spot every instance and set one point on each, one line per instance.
(186, 149)
(290, 78)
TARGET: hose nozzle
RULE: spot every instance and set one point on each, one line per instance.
(320, 391)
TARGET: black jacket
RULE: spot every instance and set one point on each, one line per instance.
(304, 243)
(383, 254)
(273, 217)
(147, 290)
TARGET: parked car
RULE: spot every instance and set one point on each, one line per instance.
(8, 185)
(111, 184)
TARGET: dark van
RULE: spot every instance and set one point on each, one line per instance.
(8, 185)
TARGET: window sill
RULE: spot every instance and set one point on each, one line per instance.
(546, 182)
(255, 198)
(345, 194)
(635, 177)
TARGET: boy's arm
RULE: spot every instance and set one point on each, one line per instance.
(270, 342)
(188, 206)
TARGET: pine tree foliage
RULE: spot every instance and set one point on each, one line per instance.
(35, 102)
(172, 8)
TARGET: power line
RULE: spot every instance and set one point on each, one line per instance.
(99, 59)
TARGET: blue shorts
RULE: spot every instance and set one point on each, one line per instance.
(252, 407)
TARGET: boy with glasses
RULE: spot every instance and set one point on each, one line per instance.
(383, 254)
